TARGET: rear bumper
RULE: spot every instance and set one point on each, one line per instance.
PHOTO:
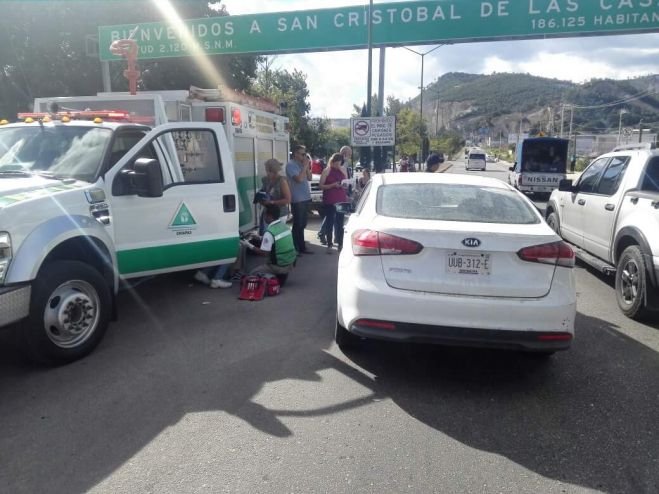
(481, 338)
(14, 303)
(531, 323)
(536, 188)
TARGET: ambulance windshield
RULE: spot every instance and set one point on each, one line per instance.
(63, 152)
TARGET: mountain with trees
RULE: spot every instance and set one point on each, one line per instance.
(501, 103)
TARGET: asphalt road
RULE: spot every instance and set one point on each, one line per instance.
(193, 390)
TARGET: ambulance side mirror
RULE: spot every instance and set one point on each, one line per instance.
(143, 179)
(147, 177)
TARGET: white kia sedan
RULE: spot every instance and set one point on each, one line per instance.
(453, 259)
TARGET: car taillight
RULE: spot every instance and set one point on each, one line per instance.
(372, 243)
(215, 114)
(558, 253)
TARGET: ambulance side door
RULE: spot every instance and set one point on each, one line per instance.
(186, 215)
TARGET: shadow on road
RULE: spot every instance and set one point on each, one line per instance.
(588, 416)
(179, 349)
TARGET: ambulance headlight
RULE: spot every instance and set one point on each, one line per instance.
(5, 254)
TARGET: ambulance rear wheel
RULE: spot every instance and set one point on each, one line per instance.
(70, 311)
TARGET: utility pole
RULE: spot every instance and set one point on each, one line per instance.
(369, 89)
(640, 131)
(574, 149)
(562, 118)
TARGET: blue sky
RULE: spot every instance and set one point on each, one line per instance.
(575, 59)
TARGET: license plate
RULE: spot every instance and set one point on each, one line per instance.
(473, 264)
(540, 180)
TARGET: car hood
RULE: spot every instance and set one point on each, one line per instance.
(15, 190)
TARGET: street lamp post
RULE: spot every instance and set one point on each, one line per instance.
(421, 133)
(622, 110)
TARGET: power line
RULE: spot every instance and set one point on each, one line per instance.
(613, 103)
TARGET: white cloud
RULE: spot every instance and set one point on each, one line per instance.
(337, 80)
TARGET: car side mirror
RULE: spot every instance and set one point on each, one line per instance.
(145, 178)
(565, 185)
(511, 168)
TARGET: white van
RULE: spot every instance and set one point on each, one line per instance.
(476, 161)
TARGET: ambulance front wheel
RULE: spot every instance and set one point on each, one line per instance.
(70, 311)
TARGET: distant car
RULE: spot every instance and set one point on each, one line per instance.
(476, 161)
(453, 259)
(490, 158)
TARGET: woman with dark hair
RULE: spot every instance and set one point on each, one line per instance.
(331, 183)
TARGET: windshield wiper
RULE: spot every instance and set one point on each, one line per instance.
(15, 173)
(51, 175)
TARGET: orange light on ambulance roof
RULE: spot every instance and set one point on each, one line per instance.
(236, 119)
(215, 114)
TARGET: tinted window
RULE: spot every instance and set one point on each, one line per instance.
(591, 175)
(124, 142)
(544, 156)
(651, 176)
(612, 177)
(476, 156)
(362, 199)
(196, 151)
(454, 202)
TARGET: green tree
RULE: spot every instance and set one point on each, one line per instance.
(43, 51)
(290, 91)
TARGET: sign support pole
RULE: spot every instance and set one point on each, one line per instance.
(369, 88)
(380, 166)
(105, 74)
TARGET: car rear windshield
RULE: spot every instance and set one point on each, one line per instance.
(454, 202)
(476, 156)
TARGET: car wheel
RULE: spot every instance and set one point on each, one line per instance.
(554, 223)
(632, 283)
(344, 338)
(69, 313)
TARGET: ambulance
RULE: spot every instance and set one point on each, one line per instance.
(96, 190)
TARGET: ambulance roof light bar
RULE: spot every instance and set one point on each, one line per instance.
(114, 115)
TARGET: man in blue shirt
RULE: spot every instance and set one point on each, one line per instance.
(298, 172)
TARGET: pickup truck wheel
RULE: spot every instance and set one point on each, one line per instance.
(69, 313)
(344, 338)
(554, 223)
(632, 283)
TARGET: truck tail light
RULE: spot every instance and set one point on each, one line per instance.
(372, 243)
(558, 253)
(215, 114)
(236, 118)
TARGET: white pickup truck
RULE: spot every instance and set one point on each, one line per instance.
(87, 203)
(611, 216)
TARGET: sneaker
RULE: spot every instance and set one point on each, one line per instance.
(237, 276)
(202, 278)
(220, 284)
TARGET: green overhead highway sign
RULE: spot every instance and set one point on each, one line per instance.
(402, 23)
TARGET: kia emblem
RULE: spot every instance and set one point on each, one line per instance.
(471, 242)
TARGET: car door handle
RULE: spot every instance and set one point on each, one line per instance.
(581, 202)
(610, 207)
